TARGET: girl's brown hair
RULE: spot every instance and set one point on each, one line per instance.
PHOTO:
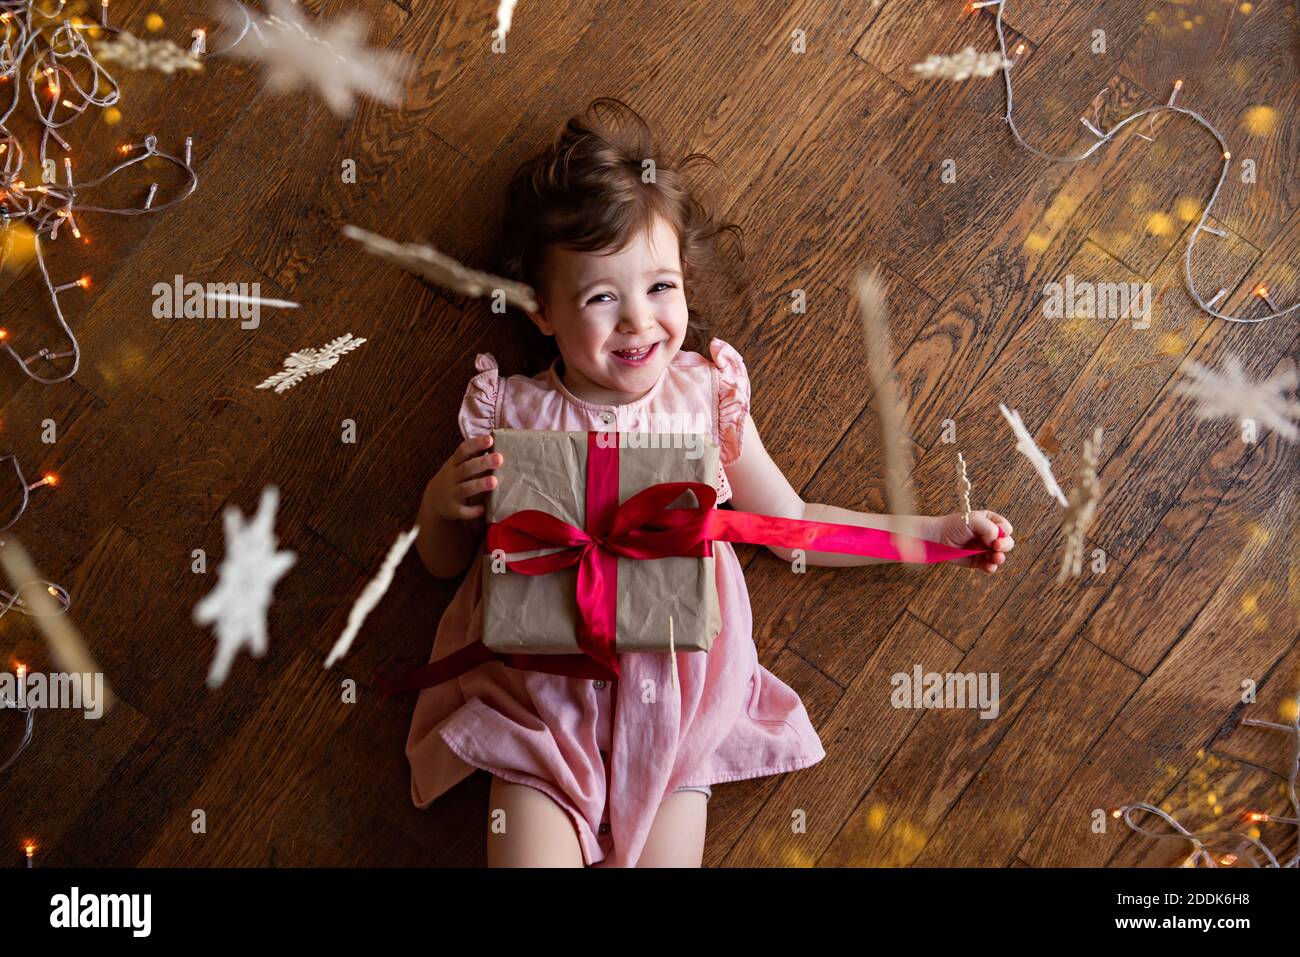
(588, 191)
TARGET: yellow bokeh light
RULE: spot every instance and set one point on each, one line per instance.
(1260, 120)
(1037, 242)
(112, 116)
(1187, 208)
(1160, 224)
(153, 23)
(1250, 604)
(21, 246)
(1171, 344)
(1246, 8)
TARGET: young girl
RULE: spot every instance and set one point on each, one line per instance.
(586, 772)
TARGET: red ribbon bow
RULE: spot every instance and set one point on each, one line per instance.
(642, 527)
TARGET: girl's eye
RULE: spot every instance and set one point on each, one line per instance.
(667, 285)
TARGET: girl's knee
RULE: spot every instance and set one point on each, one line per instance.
(526, 828)
(677, 835)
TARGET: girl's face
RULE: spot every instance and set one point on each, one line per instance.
(618, 318)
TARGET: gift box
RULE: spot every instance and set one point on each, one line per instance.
(548, 472)
(595, 539)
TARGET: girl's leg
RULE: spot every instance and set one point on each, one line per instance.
(537, 832)
(677, 835)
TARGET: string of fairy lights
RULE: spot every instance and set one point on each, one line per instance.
(11, 600)
(1105, 136)
(51, 57)
(47, 53)
(1202, 842)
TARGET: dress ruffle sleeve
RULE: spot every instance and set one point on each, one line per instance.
(479, 412)
(733, 399)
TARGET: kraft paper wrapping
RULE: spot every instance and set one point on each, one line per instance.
(538, 614)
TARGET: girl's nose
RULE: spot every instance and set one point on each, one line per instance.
(637, 320)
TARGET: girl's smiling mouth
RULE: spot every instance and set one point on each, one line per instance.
(636, 357)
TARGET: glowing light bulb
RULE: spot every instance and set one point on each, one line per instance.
(84, 282)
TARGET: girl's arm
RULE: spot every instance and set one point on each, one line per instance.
(759, 486)
(445, 545)
(452, 508)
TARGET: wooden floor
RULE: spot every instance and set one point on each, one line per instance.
(1123, 685)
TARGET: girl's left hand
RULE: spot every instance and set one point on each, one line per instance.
(983, 530)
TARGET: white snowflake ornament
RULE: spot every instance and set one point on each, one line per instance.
(1229, 394)
(371, 594)
(505, 13)
(329, 57)
(442, 270)
(1027, 447)
(249, 571)
(961, 66)
(307, 362)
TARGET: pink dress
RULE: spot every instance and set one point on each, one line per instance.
(598, 749)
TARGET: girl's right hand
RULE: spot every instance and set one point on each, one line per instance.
(463, 482)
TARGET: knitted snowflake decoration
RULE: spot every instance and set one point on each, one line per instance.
(249, 571)
(307, 362)
(960, 66)
(1027, 447)
(1230, 394)
(442, 270)
(329, 57)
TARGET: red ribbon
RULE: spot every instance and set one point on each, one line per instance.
(643, 527)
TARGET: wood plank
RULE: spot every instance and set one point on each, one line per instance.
(1181, 705)
(802, 817)
(1068, 713)
(1168, 582)
(928, 774)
